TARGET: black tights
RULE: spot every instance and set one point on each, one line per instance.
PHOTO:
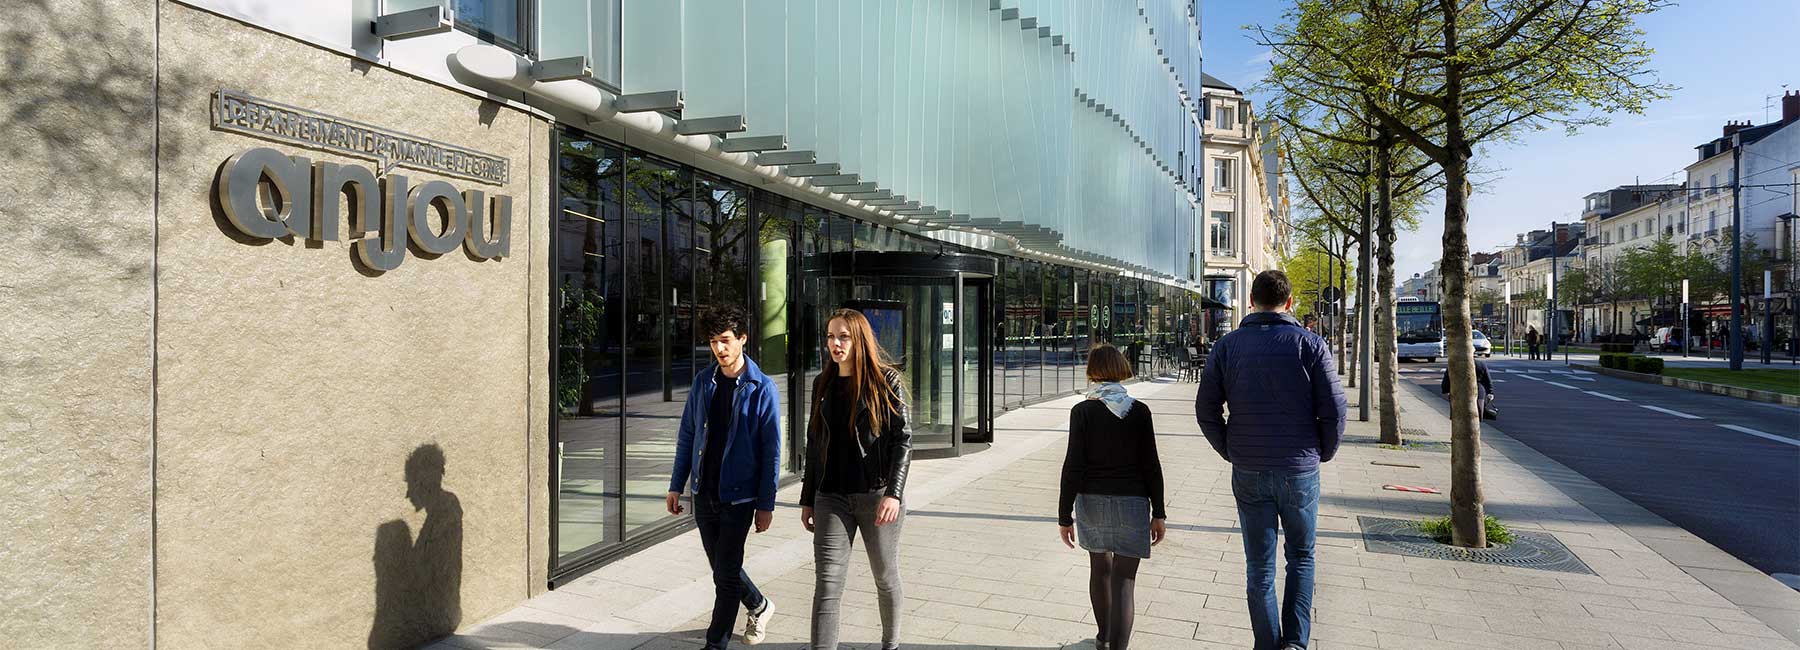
(1111, 581)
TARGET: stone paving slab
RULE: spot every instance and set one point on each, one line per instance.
(982, 566)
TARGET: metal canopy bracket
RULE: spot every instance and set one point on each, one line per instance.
(1009, 14)
(755, 143)
(867, 196)
(836, 180)
(773, 158)
(423, 21)
(863, 187)
(1027, 23)
(662, 100)
(711, 125)
(1043, 32)
(563, 69)
(816, 169)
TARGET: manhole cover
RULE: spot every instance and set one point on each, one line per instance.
(1529, 550)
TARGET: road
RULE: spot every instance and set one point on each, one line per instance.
(1725, 469)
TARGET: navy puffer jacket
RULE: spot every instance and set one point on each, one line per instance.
(1287, 407)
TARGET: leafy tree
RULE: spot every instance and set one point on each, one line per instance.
(1447, 76)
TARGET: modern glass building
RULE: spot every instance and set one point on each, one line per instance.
(427, 274)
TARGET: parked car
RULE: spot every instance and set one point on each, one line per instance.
(1483, 347)
(1667, 339)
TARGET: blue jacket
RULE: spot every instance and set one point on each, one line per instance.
(1287, 407)
(751, 467)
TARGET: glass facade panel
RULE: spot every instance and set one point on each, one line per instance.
(588, 307)
(658, 348)
(500, 21)
(777, 228)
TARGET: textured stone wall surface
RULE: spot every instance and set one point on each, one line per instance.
(345, 458)
(76, 78)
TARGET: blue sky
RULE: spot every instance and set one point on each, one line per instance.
(1720, 53)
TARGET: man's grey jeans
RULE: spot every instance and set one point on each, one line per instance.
(836, 520)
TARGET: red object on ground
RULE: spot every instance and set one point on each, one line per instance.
(1409, 488)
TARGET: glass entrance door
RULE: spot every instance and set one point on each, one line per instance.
(933, 316)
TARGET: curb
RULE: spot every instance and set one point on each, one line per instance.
(1696, 386)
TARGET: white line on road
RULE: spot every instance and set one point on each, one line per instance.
(1499, 381)
(1616, 399)
(1760, 434)
(1582, 372)
(1529, 377)
(1558, 383)
(1678, 414)
(1579, 378)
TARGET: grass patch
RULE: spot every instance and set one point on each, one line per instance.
(1439, 529)
(1776, 380)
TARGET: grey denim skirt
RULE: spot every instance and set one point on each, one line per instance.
(1116, 524)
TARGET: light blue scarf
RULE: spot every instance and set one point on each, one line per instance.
(1117, 400)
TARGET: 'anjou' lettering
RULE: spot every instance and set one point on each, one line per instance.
(267, 194)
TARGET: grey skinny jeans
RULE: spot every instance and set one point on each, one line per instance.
(836, 520)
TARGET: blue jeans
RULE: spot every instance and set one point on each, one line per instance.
(1268, 500)
(723, 528)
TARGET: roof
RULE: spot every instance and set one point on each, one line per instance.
(1209, 81)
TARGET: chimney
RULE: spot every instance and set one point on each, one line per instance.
(1733, 127)
(1790, 107)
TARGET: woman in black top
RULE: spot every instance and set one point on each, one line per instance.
(1112, 484)
(859, 445)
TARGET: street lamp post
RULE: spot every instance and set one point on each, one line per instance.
(1550, 297)
(1737, 237)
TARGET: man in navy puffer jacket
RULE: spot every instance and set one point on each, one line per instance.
(1287, 416)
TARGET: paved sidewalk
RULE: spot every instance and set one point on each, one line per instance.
(983, 568)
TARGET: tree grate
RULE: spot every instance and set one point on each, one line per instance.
(1409, 432)
(1529, 550)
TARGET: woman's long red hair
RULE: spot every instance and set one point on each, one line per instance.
(869, 365)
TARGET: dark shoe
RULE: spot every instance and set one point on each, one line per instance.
(1102, 645)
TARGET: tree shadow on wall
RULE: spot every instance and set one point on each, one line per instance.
(418, 582)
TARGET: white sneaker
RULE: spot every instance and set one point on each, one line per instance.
(757, 625)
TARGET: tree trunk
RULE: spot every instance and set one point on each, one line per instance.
(1466, 517)
(1386, 350)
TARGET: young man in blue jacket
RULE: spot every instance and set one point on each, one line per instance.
(729, 453)
(1287, 417)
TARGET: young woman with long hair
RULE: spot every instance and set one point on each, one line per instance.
(1112, 492)
(859, 445)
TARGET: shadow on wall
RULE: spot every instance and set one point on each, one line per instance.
(418, 581)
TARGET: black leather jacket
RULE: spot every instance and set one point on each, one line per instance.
(885, 458)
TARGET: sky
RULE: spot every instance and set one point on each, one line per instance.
(1721, 55)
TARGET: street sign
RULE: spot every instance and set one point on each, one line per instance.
(1329, 294)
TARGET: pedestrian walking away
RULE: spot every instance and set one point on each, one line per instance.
(1112, 493)
(859, 447)
(729, 452)
(1287, 417)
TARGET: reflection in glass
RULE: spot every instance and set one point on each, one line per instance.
(659, 370)
(588, 303)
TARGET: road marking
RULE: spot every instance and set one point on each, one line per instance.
(1558, 383)
(1760, 434)
(1499, 381)
(1529, 377)
(1616, 399)
(1582, 372)
(1678, 414)
(1579, 378)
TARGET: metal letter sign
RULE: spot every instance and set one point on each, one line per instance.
(267, 194)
